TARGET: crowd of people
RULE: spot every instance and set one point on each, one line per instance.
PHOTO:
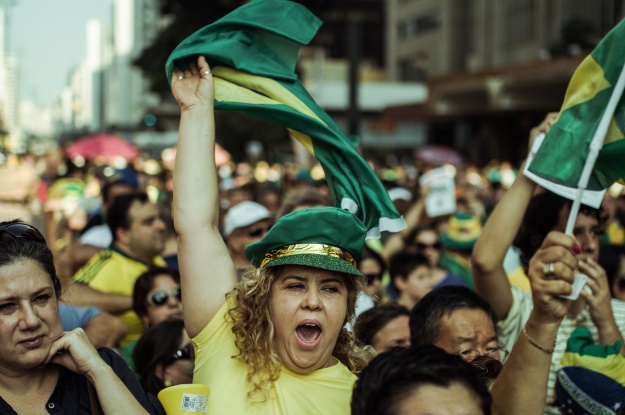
(283, 302)
(117, 282)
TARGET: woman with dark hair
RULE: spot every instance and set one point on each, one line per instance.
(419, 380)
(373, 268)
(163, 356)
(383, 327)
(156, 297)
(41, 367)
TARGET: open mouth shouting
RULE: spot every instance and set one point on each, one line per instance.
(308, 334)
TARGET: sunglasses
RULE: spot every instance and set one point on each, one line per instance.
(620, 283)
(421, 246)
(184, 353)
(22, 230)
(372, 277)
(487, 367)
(159, 298)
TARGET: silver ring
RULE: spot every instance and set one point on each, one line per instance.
(548, 268)
(207, 72)
(181, 77)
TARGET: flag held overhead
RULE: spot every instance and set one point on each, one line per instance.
(563, 155)
(252, 53)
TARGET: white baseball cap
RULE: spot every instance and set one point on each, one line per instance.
(244, 214)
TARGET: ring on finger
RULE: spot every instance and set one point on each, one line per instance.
(548, 268)
(207, 72)
(181, 77)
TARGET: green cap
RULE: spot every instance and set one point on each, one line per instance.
(322, 237)
(462, 231)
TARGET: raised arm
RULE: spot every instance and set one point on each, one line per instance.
(521, 387)
(490, 278)
(397, 241)
(206, 269)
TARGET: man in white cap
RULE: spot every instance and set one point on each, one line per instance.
(245, 222)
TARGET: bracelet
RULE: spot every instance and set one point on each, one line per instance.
(538, 346)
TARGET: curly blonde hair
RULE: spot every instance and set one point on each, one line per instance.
(254, 330)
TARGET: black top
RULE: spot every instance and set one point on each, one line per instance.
(71, 397)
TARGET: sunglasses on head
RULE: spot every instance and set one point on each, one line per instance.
(159, 298)
(185, 353)
(22, 230)
(421, 246)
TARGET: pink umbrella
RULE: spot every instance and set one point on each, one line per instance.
(104, 146)
(439, 155)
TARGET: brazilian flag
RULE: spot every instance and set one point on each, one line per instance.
(591, 377)
(563, 154)
(252, 53)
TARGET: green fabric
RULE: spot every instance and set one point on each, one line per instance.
(562, 155)
(252, 53)
(457, 266)
(582, 343)
(319, 225)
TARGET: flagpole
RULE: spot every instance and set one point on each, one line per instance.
(595, 147)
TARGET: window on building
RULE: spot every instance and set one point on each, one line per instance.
(416, 26)
(415, 68)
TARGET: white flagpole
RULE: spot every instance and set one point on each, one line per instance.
(594, 148)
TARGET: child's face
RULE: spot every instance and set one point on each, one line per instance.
(419, 282)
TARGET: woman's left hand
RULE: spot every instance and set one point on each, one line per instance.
(75, 352)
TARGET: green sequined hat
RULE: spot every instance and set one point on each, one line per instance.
(322, 237)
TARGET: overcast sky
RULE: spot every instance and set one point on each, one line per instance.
(48, 38)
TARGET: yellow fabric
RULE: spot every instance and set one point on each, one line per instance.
(615, 233)
(518, 279)
(612, 366)
(112, 272)
(586, 82)
(323, 392)
(232, 85)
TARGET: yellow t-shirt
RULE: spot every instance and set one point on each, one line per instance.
(110, 271)
(324, 392)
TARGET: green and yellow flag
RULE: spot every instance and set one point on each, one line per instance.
(252, 53)
(563, 154)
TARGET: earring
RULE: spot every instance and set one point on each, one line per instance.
(168, 383)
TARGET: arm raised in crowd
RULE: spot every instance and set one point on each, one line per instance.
(521, 387)
(207, 272)
(490, 278)
(397, 241)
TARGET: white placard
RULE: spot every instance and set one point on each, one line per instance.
(578, 283)
(442, 197)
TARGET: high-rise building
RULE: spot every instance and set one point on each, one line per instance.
(134, 27)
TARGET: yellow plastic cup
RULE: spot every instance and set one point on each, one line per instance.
(185, 399)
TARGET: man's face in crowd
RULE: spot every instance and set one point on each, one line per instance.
(469, 333)
(147, 229)
(396, 333)
(246, 235)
